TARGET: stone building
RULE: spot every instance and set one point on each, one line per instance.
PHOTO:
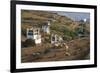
(34, 34)
(46, 27)
(56, 39)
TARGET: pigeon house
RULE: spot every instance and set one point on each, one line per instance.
(53, 39)
(46, 27)
(56, 39)
(34, 34)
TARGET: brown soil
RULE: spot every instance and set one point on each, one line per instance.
(78, 50)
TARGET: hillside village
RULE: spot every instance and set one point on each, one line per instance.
(47, 36)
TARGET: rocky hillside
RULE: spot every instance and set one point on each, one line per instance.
(69, 30)
(61, 25)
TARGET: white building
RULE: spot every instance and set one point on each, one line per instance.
(46, 27)
(34, 33)
(53, 39)
(85, 20)
(56, 39)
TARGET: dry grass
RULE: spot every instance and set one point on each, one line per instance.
(78, 49)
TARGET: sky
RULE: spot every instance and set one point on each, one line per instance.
(76, 16)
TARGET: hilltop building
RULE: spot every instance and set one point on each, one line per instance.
(85, 20)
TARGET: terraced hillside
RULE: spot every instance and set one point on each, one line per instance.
(68, 29)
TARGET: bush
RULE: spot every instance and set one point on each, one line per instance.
(47, 39)
(68, 38)
(29, 43)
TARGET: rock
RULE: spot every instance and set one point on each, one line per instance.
(67, 54)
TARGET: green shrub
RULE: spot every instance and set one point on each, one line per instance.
(68, 38)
